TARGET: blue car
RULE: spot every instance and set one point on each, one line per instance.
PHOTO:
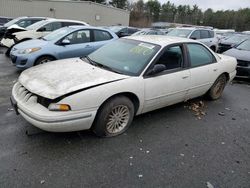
(67, 42)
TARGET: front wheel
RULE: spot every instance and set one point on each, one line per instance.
(114, 117)
(44, 59)
(216, 90)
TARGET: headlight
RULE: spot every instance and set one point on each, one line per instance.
(59, 107)
(28, 51)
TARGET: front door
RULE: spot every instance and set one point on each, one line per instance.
(169, 86)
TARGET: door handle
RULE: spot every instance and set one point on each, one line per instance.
(215, 70)
(87, 46)
(184, 77)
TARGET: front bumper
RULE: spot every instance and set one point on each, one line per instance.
(41, 117)
(243, 71)
(7, 42)
(22, 61)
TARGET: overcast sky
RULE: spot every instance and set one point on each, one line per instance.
(214, 4)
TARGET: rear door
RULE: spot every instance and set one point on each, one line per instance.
(206, 38)
(48, 28)
(80, 44)
(100, 37)
(203, 69)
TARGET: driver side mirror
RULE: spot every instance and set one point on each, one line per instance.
(157, 69)
(194, 38)
(65, 42)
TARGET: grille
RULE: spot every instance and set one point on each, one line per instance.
(13, 58)
(24, 95)
(243, 63)
(27, 97)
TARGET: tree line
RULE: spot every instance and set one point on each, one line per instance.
(142, 14)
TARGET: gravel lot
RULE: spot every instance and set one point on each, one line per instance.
(170, 147)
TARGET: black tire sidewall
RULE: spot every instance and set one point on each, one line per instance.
(211, 91)
(38, 61)
(99, 126)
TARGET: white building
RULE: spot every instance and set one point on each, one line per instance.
(93, 13)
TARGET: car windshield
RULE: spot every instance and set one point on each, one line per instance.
(244, 45)
(236, 39)
(125, 56)
(12, 22)
(180, 33)
(37, 25)
(58, 34)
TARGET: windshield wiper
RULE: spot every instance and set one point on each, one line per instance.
(94, 63)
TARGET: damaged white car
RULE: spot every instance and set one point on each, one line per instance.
(124, 78)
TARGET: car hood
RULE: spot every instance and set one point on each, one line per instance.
(61, 77)
(243, 55)
(34, 43)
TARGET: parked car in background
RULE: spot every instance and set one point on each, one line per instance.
(4, 20)
(206, 36)
(67, 42)
(123, 31)
(18, 24)
(38, 30)
(149, 32)
(232, 41)
(127, 77)
(242, 53)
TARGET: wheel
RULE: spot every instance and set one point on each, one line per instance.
(216, 90)
(7, 53)
(43, 59)
(114, 117)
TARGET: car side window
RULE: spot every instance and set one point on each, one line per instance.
(205, 34)
(79, 37)
(51, 26)
(172, 58)
(124, 30)
(211, 34)
(70, 23)
(199, 55)
(196, 35)
(100, 35)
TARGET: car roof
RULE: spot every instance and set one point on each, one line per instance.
(194, 28)
(161, 40)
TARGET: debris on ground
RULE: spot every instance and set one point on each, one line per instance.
(228, 109)
(42, 181)
(130, 164)
(131, 157)
(221, 113)
(147, 151)
(140, 175)
(198, 108)
(182, 155)
(222, 143)
(10, 109)
(233, 118)
(209, 185)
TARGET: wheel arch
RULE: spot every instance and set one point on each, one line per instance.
(44, 55)
(133, 97)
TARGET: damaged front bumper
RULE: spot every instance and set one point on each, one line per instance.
(25, 103)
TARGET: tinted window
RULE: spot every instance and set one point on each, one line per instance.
(124, 30)
(70, 23)
(195, 35)
(79, 37)
(101, 35)
(132, 30)
(52, 26)
(3, 20)
(211, 34)
(199, 55)
(172, 58)
(204, 34)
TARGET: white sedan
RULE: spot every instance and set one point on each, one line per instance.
(127, 77)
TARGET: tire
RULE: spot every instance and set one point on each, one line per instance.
(215, 92)
(7, 53)
(107, 126)
(43, 59)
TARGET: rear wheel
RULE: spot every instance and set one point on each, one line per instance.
(114, 117)
(216, 90)
(44, 59)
